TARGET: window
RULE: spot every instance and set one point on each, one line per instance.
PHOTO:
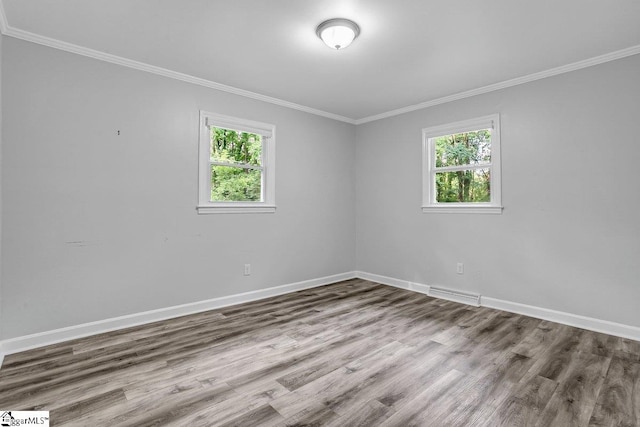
(237, 165)
(461, 167)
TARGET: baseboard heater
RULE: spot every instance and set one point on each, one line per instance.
(457, 296)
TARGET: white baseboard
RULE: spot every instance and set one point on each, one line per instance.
(27, 342)
(589, 323)
(15, 345)
(396, 283)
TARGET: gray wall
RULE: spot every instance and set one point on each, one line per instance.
(1, 169)
(98, 225)
(569, 236)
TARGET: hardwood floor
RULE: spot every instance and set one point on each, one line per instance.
(349, 354)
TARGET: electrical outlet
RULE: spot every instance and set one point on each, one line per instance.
(460, 268)
(247, 269)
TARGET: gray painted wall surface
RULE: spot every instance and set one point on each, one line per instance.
(98, 225)
(1, 169)
(569, 236)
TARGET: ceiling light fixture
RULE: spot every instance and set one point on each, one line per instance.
(338, 33)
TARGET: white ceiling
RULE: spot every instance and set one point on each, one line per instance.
(409, 51)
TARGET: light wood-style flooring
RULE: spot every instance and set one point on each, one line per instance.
(349, 354)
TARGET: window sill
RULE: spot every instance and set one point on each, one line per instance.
(466, 209)
(235, 209)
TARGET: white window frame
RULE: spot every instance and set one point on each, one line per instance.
(429, 169)
(268, 134)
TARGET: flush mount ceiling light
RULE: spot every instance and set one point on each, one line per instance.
(338, 33)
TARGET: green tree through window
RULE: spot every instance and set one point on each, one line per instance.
(236, 165)
(463, 149)
(461, 170)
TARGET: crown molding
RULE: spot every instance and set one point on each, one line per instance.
(7, 30)
(141, 66)
(612, 56)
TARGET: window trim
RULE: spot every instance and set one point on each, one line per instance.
(267, 132)
(429, 204)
